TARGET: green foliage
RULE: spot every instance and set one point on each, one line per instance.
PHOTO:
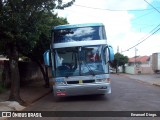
(24, 21)
(119, 60)
(42, 39)
(24, 28)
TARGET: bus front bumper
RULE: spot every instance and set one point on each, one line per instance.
(82, 89)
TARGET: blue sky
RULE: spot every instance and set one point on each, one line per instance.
(124, 28)
(147, 19)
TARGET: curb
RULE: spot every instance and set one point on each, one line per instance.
(38, 98)
(42, 96)
(141, 81)
(156, 85)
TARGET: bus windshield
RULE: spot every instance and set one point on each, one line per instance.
(77, 61)
(79, 34)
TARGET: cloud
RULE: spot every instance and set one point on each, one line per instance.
(127, 4)
(119, 29)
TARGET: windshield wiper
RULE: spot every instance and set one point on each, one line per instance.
(89, 69)
(82, 60)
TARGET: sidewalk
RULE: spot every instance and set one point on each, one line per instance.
(153, 79)
(34, 91)
(29, 93)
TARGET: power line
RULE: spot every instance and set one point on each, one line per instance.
(74, 12)
(145, 38)
(144, 25)
(109, 9)
(143, 15)
(152, 6)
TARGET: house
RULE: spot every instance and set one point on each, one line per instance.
(139, 65)
(139, 60)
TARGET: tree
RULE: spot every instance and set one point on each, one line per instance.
(43, 43)
(20, 20)
(119, 60)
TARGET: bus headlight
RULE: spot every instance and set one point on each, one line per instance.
(60, 81)
(104, 80)
(99, 80)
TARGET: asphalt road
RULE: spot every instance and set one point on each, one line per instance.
(127, 95)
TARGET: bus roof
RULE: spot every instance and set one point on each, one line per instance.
(76, 25)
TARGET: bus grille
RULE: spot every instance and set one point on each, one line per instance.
(83, 81)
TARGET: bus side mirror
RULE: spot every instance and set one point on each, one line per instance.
(46, 58)
(111, 53)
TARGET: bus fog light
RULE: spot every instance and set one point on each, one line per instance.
(103, 80)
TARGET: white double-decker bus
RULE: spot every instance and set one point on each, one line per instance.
(80, 59)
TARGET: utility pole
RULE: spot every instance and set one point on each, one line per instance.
(117, 60)
(117, 49)
(135, 55)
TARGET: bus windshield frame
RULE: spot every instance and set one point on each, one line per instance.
(80, 61)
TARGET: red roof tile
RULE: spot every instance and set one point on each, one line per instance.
(141, 59)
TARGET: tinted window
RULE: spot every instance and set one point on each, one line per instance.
(79, 34)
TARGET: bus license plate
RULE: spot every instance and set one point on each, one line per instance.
(80, 81)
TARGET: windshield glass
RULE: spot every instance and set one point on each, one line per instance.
(79, 34)
(78, 61)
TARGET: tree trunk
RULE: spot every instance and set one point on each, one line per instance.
(117, 65)
(14, 71)
(44, 72)
(116, 69)
(47, 78)
(123, 69)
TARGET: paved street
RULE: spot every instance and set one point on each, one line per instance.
(127, 95)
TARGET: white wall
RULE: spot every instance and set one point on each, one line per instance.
(139, 70)
(129, 69)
